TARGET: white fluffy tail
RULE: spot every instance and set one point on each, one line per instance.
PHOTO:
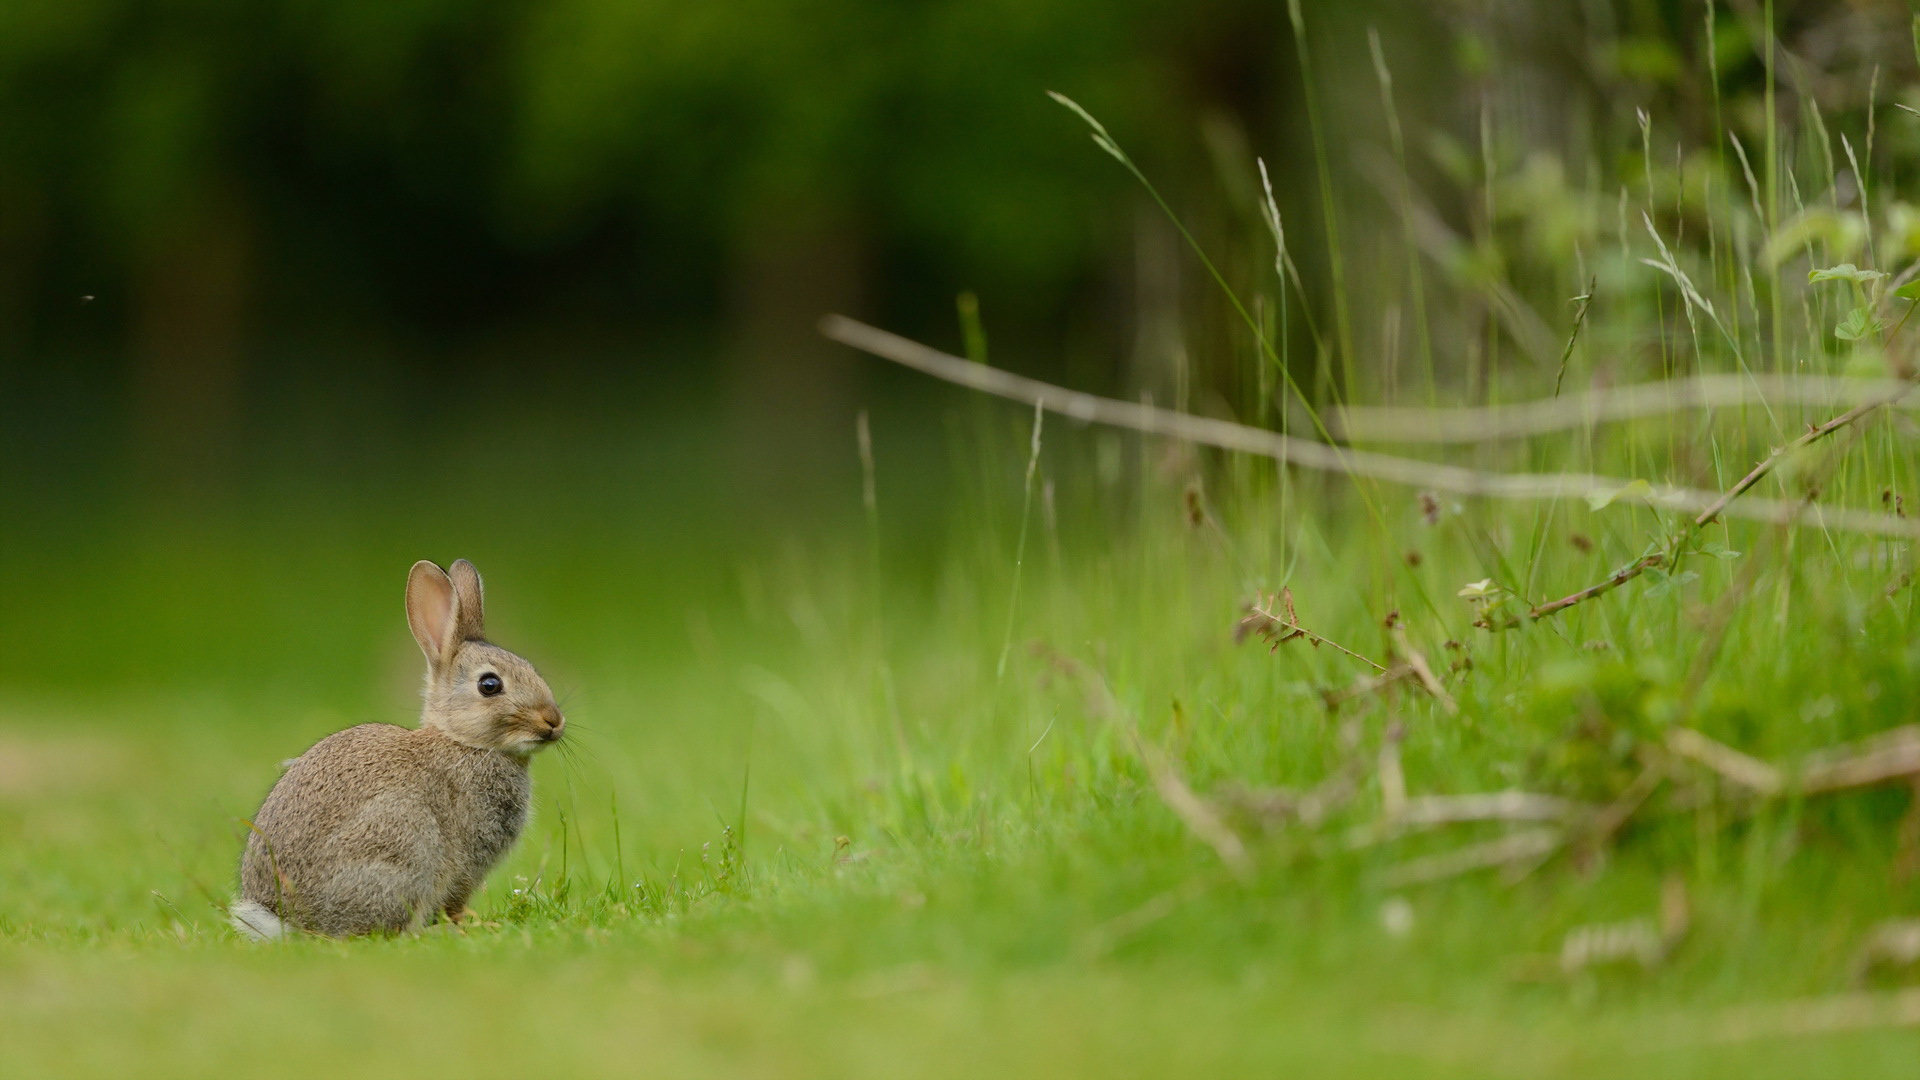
(255, 921)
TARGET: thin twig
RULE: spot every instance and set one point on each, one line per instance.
(1308, 454)
(1280, 629)
(1492, 423)
(1892, 756)
(1819, 1016)
(1422, 672)
(1435, 811)
(1199, 817)
(1749, 772)
(1887, 757)
(1430, 810)
(1393, 778)
(1767, 464)
(1512, 848)
(1367, 685)
(1619, 577)
(1719, 507)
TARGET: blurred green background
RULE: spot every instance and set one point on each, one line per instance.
(293, 293)
(309, 290)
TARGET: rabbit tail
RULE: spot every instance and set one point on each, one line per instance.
(254, 921)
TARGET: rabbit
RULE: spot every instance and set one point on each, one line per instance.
(380, 828)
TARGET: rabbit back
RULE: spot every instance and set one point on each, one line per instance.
(380, 828)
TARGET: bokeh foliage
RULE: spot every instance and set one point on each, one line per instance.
(430, 162)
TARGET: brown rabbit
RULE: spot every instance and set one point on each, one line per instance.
(380, 827)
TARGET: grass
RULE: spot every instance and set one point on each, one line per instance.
(1004, 866)
(949, 778)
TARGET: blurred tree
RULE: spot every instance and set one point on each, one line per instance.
(225, 172)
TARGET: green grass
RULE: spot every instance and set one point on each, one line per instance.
(994, 828)
(864, 790)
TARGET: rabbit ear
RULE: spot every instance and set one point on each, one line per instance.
(469, 602)
(431, 608)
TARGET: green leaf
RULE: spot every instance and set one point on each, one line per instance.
(1665, 583)
(1845, 272)
(1718, 549)
(1909, 291)
(1480, 590)
(1858, 324)
(1633, 491)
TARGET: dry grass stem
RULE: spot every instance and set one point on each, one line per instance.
(1393, 781)
(1307, 454)
(1283, 626)
(1646, 942)
(1433, 810)
(1194, 811)
(1490, 423)
(1819, 1016)
(1634, 941)
(1891, 756)
(1417, 663)
(1277, 806)
(1906, 851)
(1370, 684)
(1892, 945)
(1748, 772)
(1513, 848)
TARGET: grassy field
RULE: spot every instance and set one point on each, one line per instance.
(975, 766)
(810, 825)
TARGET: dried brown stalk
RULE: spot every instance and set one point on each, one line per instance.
(1308, 454)
(1819, 1016)
(1647, 941)
(1195, 812)
(1368, 685)
(1393, 779)
(1522, 851)
(1512, 848)
(1434, 811)
(1431, 810)
(1906, 852)
(1272, 806)
(1749, 772)
(1278, 629)
(1417, 663)
(1489, 423)
(1893, 944)
(1890, 756)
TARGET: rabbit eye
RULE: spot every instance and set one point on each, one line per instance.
(490, 685)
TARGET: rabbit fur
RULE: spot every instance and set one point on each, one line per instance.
(381, 828)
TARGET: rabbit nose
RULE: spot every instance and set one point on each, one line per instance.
(554, 721)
